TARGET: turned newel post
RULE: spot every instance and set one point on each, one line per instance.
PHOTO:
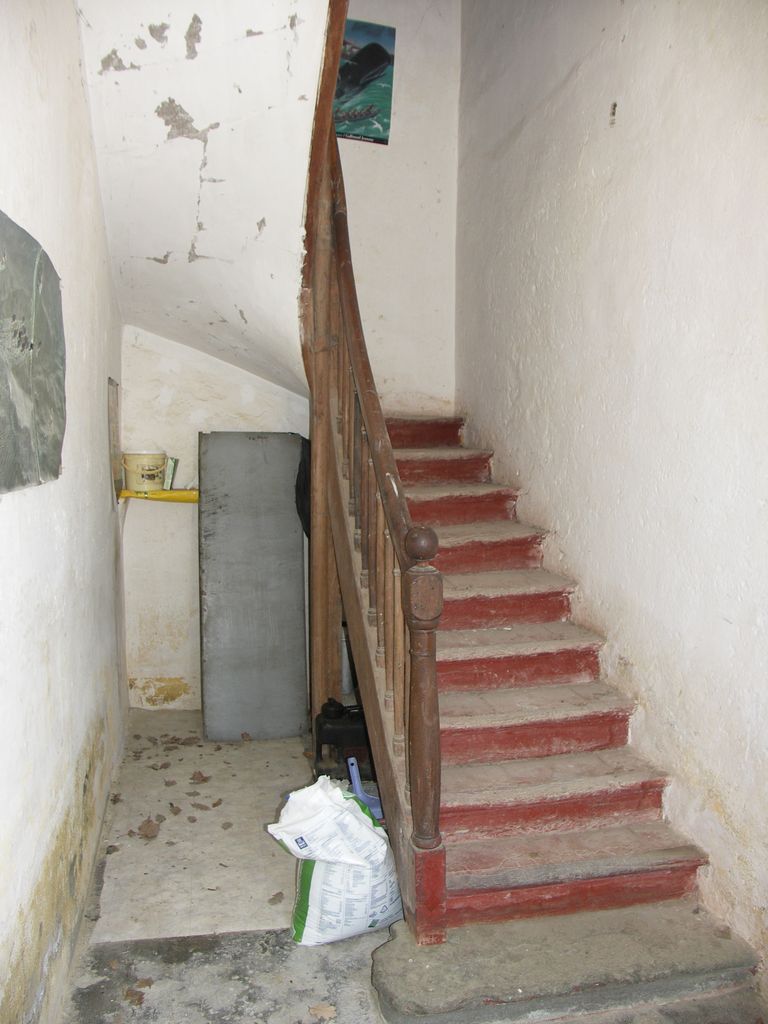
(423, 604)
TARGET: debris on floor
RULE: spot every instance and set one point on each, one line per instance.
(190, 924)
(187, 852)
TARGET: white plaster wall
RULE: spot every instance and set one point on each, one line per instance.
(205, 228)
(612, 324)
(170, 394)
(60, 637)
(402, 209)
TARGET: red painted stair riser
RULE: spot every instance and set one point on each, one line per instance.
(436, 433)
(471, 469)
(576, 666)
(571, 897)
(640, 801)
(479, 556)
(478, 745)
(463, 508)
(504, 609)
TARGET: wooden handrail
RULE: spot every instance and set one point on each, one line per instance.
(364, 547)
(414, 546)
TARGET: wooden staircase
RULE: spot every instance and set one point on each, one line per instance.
(537, 874)
(544, 808)
(501, 753)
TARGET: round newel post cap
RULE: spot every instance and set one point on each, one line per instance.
(421, 543)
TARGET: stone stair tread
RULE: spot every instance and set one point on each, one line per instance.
(486, 532)
(507, 581)
(442, 452)
(554, 777)
(433, 492)
(740, 1006)
(553, 857)
(547, 967)
(523, 638)
(554, 702)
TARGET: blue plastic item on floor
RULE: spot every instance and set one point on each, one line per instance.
(372, 802)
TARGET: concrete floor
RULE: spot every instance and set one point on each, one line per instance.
(190, 921)
(189, 917)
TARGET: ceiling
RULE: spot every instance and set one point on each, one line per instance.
(202, 114)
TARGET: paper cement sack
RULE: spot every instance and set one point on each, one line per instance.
(347, 883)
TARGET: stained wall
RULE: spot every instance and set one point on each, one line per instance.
(61, 662)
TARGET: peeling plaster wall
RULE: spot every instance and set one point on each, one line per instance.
(170, 394)
(60, 632)
(202, 118)
(612, 323)
(402, 209)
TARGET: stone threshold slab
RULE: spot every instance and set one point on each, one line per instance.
(547, 968)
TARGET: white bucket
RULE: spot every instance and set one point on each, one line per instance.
(144, 471)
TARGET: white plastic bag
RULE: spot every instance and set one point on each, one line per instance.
(347, 883)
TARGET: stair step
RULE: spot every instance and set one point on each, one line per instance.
(438, 504)
(486, 599)
(534, 721)
(424, 431)
(569, 856)
(498, 544)
(443, 465)
(546, 969)
(516, 656)
(741, 1005)
(666, 883)
(547, 793)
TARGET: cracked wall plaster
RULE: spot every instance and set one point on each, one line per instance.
(192, 36)
(114, 62)
(181, 124)
(159, 32)
(158, 191)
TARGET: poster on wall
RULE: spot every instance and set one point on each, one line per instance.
(362, 108)
(32, 362)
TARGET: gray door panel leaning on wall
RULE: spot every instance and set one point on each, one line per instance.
(251, 587)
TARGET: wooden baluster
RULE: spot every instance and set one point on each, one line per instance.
(381, 581)
(389, 621)
(407, 692)
(351, 416)
(423, 605)
(346, 412)
(365, 470)
(369, 538)
(398, 667)
(355, 503)
(336, 329)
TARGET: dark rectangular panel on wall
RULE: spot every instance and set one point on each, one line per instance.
(251, 587)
